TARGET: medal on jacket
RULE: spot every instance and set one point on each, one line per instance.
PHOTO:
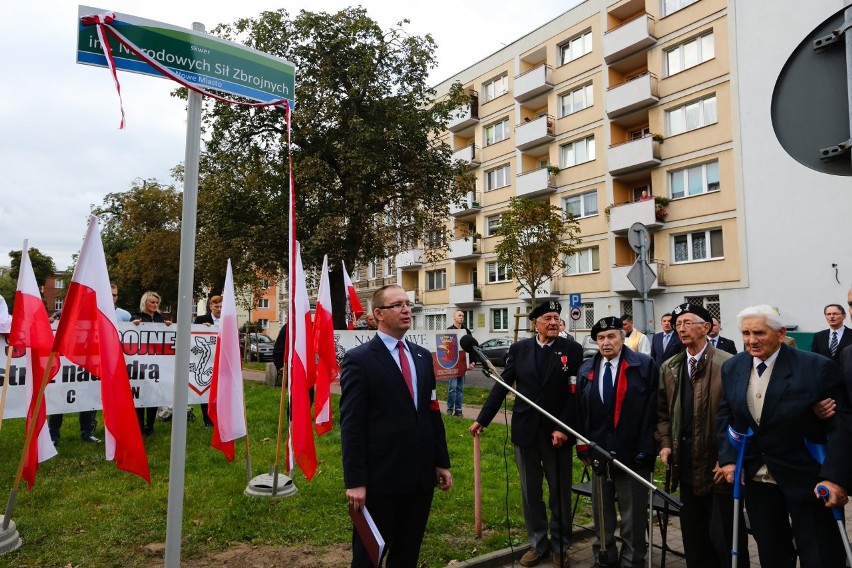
(564, 360)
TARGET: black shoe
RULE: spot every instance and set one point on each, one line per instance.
(458, 413)
(90, 439)
(147, 432)
(208, 425)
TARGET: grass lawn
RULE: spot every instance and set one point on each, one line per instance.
(83, 511)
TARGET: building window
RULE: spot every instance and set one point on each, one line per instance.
(356, 273)
(582, 205)
(59, 283)
(576, 100)
(57, 304)
(436, 238)
(577, 152)
(495, 87)
(701, 245)
(263, 283)
(492, 223)
(498, 272)
(710, 303)
(583, 262)
(500, 319)
(496, 178)
(691, 116)
(694, 180)
(263, 303)
(689, 54)
(263, 323)
(672, 6)
(496, 132)
(575, 47)
(589, 314)
(436, 279)
(390, 267)
(468, 318)
(436, 322)
(627, 308)
(374, 270)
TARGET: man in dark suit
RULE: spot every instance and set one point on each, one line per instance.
(771, 388)
(541, 368)
(666, 343)
(831, 342)
(618, 411)
(392, 436)
(212, 317)
(717, 341)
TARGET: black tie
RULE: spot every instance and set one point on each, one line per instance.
(608, 389)
(761, 368)
(832, 346)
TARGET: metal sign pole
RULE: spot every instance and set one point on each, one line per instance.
(177, 459)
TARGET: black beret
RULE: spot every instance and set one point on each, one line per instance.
(700, 311)
(606, 323)
(544, 307)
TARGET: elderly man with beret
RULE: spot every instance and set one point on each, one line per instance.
(617, 391)
(541, 368)
(689, 394)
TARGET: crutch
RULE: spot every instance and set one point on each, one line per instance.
(817, 451)
(739, 442)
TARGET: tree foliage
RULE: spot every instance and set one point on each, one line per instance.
(43, 265)
(370, 172)
(535, 239)
(141, 236)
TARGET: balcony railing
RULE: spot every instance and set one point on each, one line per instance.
(622, 216)
(471, 206)
(633, 155)
(469, 155)
(535, 182)
(466, 115)
(465, 294)
(535, 132)
(548, 290)
(629, 37)
(415, 297)
(410, 259)
(634, 94)
(532, 83)
(464, 249)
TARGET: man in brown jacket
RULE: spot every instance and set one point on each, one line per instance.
(689, 391)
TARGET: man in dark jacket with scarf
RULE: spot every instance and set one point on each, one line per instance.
(687, 404)
(617, 410)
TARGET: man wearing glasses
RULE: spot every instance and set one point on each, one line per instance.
(392, 435)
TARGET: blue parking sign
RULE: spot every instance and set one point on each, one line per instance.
(575, 301)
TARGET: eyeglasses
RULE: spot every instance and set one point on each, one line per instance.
(686, 324)
(396, 306)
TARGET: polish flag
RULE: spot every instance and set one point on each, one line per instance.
(87, 335)
(354, 311)
(327, 368)
(226, 408)
(30, 330)
(300, 441)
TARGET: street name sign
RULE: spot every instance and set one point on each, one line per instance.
(196, 57)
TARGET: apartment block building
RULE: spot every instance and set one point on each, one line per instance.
(651, 111)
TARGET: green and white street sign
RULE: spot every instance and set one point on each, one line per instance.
(198, 58)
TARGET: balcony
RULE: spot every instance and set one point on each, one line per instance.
(415, 297)
(410, 259)
(465, 295)
(633, 156)
(621, 285)
(469, 207)
(469, 155)
(628, 38)
(621, 217)
(532, 83)
(549, 290)
(464, 249)
(534, 183)
(465, 116)
(632, 95)
(535, 133)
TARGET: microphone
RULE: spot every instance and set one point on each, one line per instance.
(470, 345)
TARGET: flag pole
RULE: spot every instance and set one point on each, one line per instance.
(9, 351)
(248, 453)
(13, 494)
(280, 427)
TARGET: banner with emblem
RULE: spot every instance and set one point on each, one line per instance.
(149, 350)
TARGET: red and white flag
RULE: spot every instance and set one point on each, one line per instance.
(327, 368)
(87, 335)
(354, 311)
(226, 407)
(30, 330)
(301, 373)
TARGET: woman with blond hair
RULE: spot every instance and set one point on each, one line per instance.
(149, 312)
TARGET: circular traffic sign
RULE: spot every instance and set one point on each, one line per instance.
(575, 314)
(638, 237)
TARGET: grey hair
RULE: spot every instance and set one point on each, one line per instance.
(765, 311)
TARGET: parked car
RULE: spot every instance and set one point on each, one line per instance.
(590, 347)
(497, 350)
(260, 347)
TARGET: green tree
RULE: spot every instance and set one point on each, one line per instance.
(535, 239)
(8, 287)
(371, 173)
(43, 265)
(141, 236)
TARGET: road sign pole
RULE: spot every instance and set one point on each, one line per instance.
(177, 460)
(644, 289)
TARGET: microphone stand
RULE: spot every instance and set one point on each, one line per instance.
(595, 451)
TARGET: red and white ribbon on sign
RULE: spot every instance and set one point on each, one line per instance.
(104, 27)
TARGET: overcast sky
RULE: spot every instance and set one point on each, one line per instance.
(60, 147)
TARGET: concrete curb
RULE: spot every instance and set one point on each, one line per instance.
(496, 559)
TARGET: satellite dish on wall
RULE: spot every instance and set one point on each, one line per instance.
(810, 103)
